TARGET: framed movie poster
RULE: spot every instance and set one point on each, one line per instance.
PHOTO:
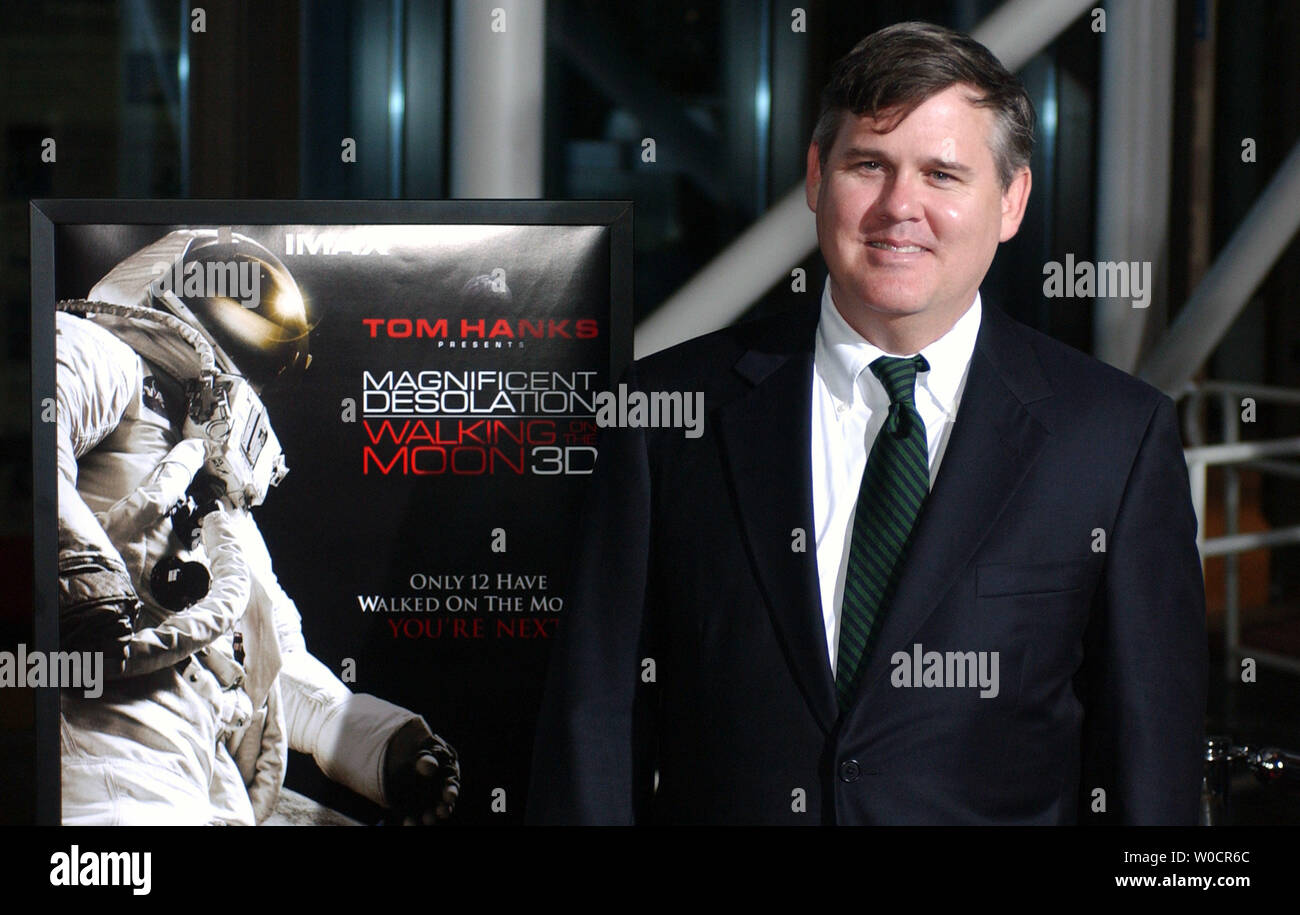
(306, 478)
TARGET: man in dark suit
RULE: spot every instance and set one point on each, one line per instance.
(924, 565)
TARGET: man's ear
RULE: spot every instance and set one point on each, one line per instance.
(1014, 200)
(813, 179)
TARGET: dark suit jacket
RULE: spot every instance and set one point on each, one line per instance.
(693, 644)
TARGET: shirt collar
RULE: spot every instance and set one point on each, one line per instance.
(843, 355)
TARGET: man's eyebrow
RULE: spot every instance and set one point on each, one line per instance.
(949, 165)
(862, 152)
(936, 162)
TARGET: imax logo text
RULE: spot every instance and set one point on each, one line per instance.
(331, 243)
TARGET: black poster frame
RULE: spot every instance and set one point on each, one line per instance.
(48, 215)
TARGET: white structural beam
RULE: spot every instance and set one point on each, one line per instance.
(777, 242)
(720, 293)
(498, 61)
(1225, 289)
(1134, 163)
(1019, 29)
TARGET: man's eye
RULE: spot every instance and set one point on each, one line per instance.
(871, 164)
(942, 176)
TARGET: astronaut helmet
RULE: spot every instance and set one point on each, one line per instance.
(244, 299)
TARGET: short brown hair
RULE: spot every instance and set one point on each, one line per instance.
(902, 65)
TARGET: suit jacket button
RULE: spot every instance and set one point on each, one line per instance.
(850, 771)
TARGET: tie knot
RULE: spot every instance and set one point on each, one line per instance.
(898, 375)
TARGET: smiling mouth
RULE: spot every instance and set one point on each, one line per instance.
(901, 249)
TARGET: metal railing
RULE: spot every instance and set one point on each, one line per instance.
(1234, 455)
(1270, 766)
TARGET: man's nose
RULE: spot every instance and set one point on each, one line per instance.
(898, 200)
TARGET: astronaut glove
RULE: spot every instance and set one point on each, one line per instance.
(421, 776)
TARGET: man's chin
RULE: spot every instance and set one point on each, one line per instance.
(896, 307)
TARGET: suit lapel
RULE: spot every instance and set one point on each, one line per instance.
(765, 437)
(994, 442)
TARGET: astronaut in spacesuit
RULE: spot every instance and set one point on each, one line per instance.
(163, 449)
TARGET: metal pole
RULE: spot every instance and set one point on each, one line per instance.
(496, 98)
(1237, 452)
(1231, 566)
(1196, 481)
(1133, 171)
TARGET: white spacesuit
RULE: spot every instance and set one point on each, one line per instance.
(204, 696)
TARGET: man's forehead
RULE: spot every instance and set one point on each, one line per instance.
(953, 125)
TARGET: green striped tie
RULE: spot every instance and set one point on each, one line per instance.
(894, 485)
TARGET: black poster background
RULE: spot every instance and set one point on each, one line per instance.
(336, 533)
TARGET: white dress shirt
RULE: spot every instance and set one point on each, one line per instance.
(849, 406)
